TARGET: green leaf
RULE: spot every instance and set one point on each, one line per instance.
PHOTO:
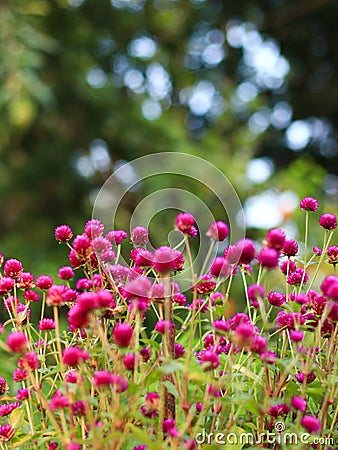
(17, 418)
(236, 432)
(171, 388)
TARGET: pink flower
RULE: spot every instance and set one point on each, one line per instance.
(295, 278)
(139, 236)
(116, 236)
(6, 285)
(220, 267)
(19, 375)
(296, 335)
(309, 204)
(276, 298)
(218, 231)
(129, 361)
(22, 394)
(73, 356)
(13, 268)
(167, 260)
(280, 409)
(209, 360)
(66, 273)
(31, 296)
(101, 245)
(179, 351)
(298, 403)
(140, 288)
(287, 266)
(25, 280)
(63, 233)
(268, 257)
(58, 401)
(275, 238)
(6, 432)
(73, 446)
(3, 385)
(290, 247)
(44, 282)
(328, 221)
(311, 424)
(55, 295)
(29, 360)
(332, 254)
(122, 334)
(6, 409)
(163, 326)
(142, 257)
(46, 324)
(206, 284)
(82, 246)
(256, 291)
(78, 318)
(72, 377)
(247, 251)
(17, 342)
(185, 223)
(93, 228)
(102, 378)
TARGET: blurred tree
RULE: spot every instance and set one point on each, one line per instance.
(86, 85)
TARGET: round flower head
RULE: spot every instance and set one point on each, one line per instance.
(332, 254)
(163, 326)
(220, 267)
(55, 295)
(6, 432)
(82, 246)
(63, 233)
(247, 251)
(72, 356)
(218, 231)
(58, 401)
(290, 247)
(101, 245)
(179, 351)
(65, 273)
(275, 238)
(44, 282)
(116, 236)
(13, 268)
(122, 334)
(209, 360)
(268, 257)
(311, 424)
(309, 204)
(17, 342)
(328, 221)
(25, 280)
(93, 228)
(139, 236)
(3, 385)
(6, 285)
(185, 223)
(166, 260)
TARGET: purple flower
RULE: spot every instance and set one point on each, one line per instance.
(311, 424)
(268, 257)
(276, 298)
(209, 360)
(139, 236)
(218, 231)
(185, 223)
(290, 247)
(309, 204)
(275, 238)
(122, 334)
(220, 267)
(328, 221)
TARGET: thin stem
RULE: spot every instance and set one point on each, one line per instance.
(206, 260)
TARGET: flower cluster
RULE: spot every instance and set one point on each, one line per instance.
(121, 356)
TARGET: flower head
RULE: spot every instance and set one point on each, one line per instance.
(44, 282)
(332, 254)
(185, 223)
(139, 236)
(93, 228)
(55, 295)
(290, 247)
(122, 334)
(328, 221)
(17, 342)
(63, 233)
(72, 356)
(13, 268)
(275, 238)
(218, 231)
(116, 236)
(310, 423)
(6, 432)
(309, 204)
(220, 267)
(268, 257)
(3, 385)
(166, 260)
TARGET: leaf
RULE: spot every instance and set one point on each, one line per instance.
(16, 418)
(143, 436)
(236, 443)
(171, 388)
(247, 372)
